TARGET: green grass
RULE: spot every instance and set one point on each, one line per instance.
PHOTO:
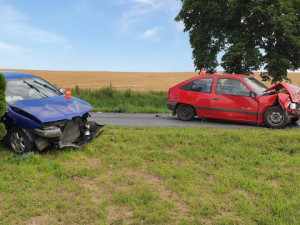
(158, 176)
(109, 99)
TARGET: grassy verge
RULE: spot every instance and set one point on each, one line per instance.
(158, 176)
(109, 99)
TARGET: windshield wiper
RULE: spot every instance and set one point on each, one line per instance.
(46, 86)
(33, 87)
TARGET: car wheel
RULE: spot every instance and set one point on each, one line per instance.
(275, 117)
(18, 141)
(185, 112)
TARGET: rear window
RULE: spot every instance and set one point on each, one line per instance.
(203, 85)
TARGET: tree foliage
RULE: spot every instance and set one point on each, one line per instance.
(2, 103)
(253, 34)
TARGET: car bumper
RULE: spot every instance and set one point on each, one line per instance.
(171, 105)
(72, 136)
(48, 133)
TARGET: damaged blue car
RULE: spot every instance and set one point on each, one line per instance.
(40, 116)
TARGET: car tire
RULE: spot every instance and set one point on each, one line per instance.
(275, 117)
(18, 141)
(185, 112)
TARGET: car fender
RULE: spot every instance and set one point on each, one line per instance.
(12, 118)
(265, 102)
(284, 100)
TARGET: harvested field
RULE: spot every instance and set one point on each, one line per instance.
(136, 81)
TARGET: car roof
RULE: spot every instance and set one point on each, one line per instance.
(214, 75)
(16, 75)
(225, 75)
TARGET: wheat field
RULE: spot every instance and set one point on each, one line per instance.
(136, 81)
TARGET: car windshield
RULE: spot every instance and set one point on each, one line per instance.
(256, 85)
(29, 88)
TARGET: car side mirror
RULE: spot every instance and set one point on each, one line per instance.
(62, 90)
(252, 94)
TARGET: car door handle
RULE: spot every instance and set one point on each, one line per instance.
(215, 99)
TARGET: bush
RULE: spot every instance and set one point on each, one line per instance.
(2, 103)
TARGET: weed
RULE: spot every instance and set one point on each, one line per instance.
(109, 99)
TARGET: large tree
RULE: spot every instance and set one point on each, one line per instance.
(252, 34)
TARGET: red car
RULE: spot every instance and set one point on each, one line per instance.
(237, 98)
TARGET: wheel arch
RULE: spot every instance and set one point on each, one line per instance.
(29, 135)
(180, 103)
(186, 112)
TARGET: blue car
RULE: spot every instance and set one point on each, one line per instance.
(40, 116)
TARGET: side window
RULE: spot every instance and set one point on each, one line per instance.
(203, 85)
(232, 87)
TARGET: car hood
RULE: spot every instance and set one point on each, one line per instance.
(53, 108)
(292, 90)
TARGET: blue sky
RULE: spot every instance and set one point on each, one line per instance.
(93, 35)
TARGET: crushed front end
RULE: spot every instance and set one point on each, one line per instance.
(66, 133)
(288, 97)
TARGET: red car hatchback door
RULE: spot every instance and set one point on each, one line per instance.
(233, 100)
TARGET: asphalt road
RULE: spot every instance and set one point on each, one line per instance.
(166, 120)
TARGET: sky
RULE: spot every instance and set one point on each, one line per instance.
(93, 35)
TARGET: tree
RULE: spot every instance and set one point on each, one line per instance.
(2, 103)
(253, 34)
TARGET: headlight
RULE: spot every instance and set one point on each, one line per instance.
(293, 105)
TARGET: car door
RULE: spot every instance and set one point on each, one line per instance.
(233, 100)
(198, 93)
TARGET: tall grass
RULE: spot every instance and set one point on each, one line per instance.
(109, 99)
(158, 176)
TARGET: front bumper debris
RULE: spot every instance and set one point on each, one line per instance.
(50, 132)
(73, 134)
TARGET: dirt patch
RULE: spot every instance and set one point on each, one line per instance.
(91, 163)
(45, 219)
(165, 193)
(101, 192)
(275, 183)
(136, 81)
(212, 179)
(158, 186)
(123, 216)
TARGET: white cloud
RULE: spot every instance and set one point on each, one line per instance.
(151, 34)
(15, 25)
(12, 49)
(137, 10)
(147, 2)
